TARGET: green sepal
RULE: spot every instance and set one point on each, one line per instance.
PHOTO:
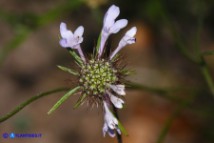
(68, 70)
(122, 129)
(98, 43)
(80, 100)
(61, 100)
(75, 56)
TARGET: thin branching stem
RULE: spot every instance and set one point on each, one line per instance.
(169, 122)
(202, 63)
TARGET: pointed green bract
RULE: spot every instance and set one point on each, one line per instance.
(67, 70)
(98, 43)
(122, 129)
(65, 97)
(80, 100)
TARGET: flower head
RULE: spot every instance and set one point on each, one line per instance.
(100, 78)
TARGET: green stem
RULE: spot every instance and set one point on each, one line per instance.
(207, 77)
(27, 102)
(119, 136)
(163, 92)
(202, 63)
(170, 120)
(167, 125)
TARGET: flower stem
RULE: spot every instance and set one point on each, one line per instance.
(81, 54)
(27, 102)
(119, 137)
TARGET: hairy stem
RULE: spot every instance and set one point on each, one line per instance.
(27, 102)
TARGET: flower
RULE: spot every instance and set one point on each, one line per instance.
(69, 39)
(110, 122)
(72, 40)
(128, 38)
(100, 78)
(119, 89)
(110, 26)
(117, 102)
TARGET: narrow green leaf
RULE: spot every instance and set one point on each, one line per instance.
(80, 100)
(98, 43)
(67, 70)
(65, 97)
(123, 130)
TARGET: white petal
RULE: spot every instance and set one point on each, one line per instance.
(79, 31)
(131, 32)
(118, 103)
(119, 89)
(105, 129)
(65, 33)
(118, 25)
(131, 40)
(128, 38)
(118, 130)
(110, 120)
(111, 15)
(63, 43)
(111, 133)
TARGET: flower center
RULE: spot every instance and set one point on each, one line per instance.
(96, 75)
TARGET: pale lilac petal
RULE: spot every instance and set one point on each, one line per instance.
(118, 25)
(128, 38)
(117, 102)
(131, 41)
(118, 130)
(110, 120)
(119, 89)
(105, 129)
(65, 33)
(111, 132)
(63, 43)
(79, 31)
(110, 16)
(131, 32)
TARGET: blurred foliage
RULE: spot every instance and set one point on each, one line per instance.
(24, 24)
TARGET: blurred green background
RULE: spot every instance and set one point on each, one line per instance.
(171, 100)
